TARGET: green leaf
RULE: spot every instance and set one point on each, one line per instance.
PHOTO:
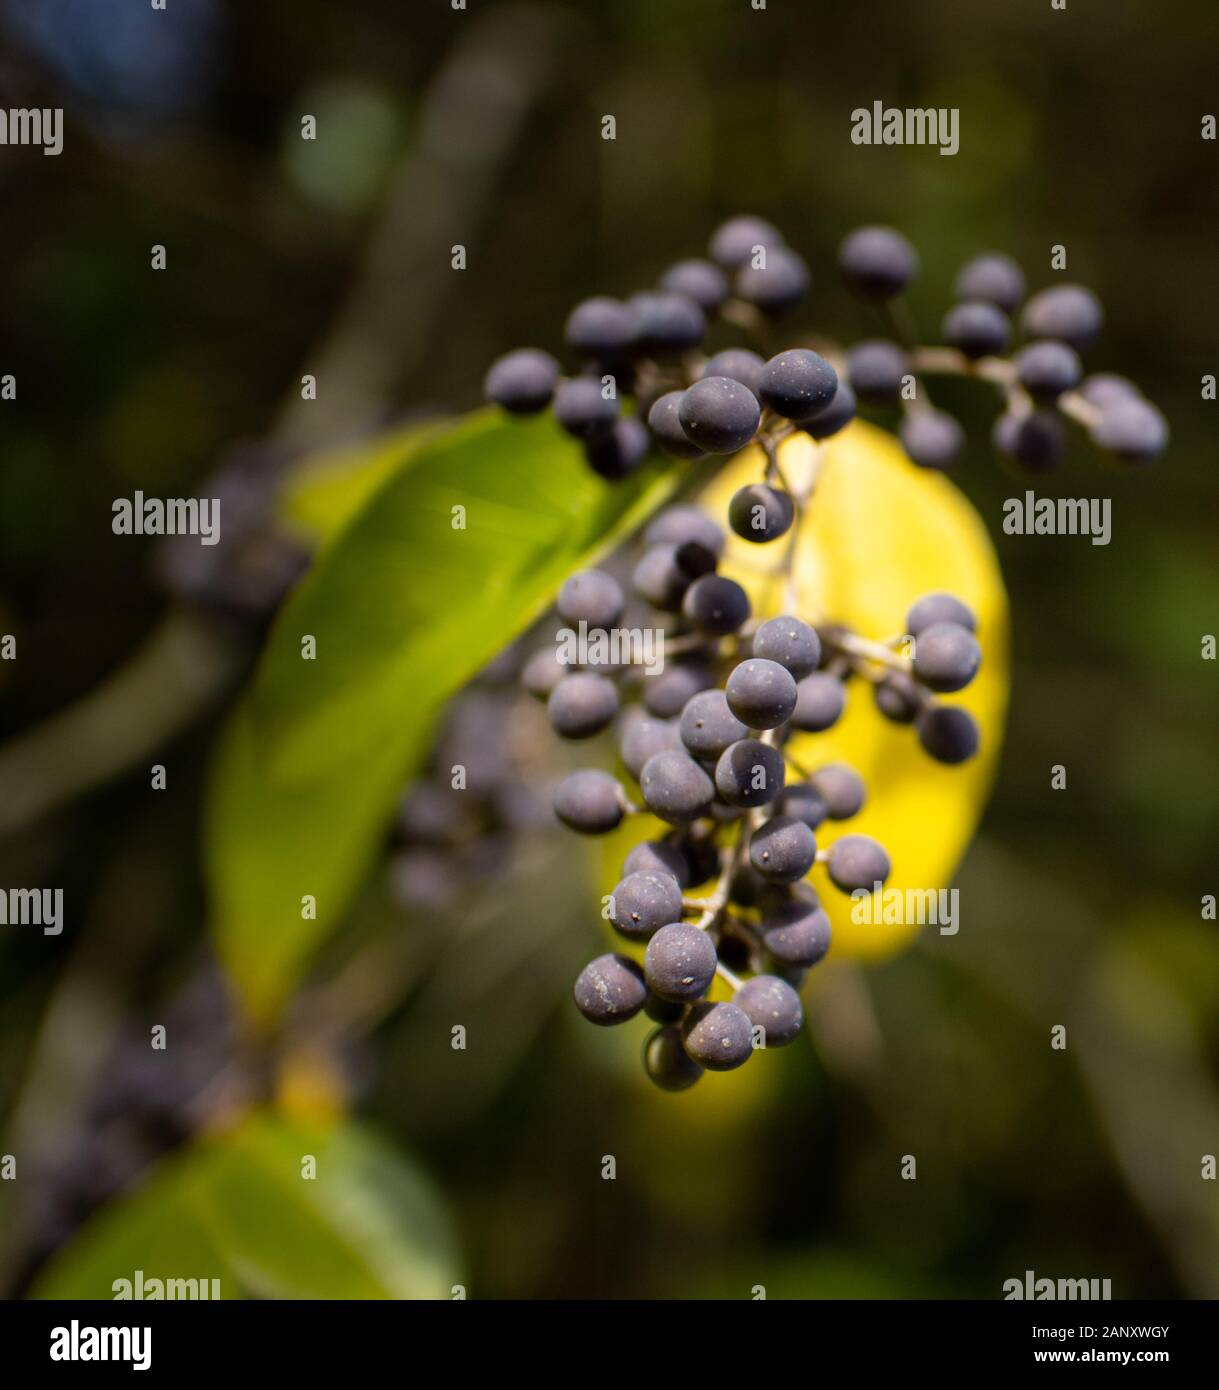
(236, 1208)
(405, 606)
(330, 489)
(405, 609)
(266, 845)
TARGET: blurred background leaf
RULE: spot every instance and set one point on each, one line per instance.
(237, 1208)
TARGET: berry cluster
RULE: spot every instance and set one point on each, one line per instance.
(707, 739)
(460, 822)
(648, 347)
(242, 580)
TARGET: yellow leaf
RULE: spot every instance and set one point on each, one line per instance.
(879, 534)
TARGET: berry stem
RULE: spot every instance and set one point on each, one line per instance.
(865, 649)
(900, 321)
(1079, 409)
(732, 980)
(730, 858)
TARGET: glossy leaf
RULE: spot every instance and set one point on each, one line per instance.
(404, 608)
(447, 562)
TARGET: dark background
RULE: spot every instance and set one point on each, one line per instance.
(1079, 127)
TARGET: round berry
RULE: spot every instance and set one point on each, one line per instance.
(542, 672)
(620, 452)
(667, 694)
(582, 704)
(1103, 389)
(718, 1036)
(761, 693)
(1036, 439)
(719, 414)
(683, 525)
(774, 1007)
(797, 384)
(610, 990)
(841, 788)
(791, 643)
(777, 286)
(939, 608)
(857, 862)
(642, 737)
(421, 877)
(737, 364)
(932, 438)
(1047, 369)
(796, 932)
(978, 329)
(582, 409)
(589, 801)
(703, 856)
(674, 787)
(702, 281)
(680, 962)
(643, 902)
(429, 812)
(992, 277)
(760, 513)
(663, 1010)
(667, 1062)
(1070, 313)
(522, 381)
(600, 327)
(666, 427)
(948, 733)
(783, 849)
(1132, 429)
(660, 578)
(749, 773)
(898, 697)
(877, 262)
(820, 700)
(667, 323)
(747, 887)
(946, 657)
(834, 417)
(658, 857)
(592, 597)
(875, 369)
(708, 726)
(716, 605)
(803, 802)
(734, 242)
